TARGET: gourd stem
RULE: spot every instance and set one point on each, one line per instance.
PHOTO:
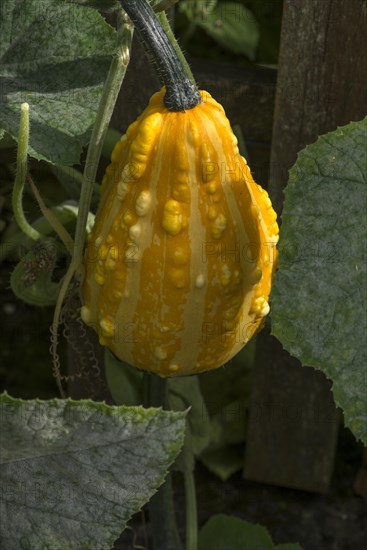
(191, 508)
(21, 174)
(107, 102)
(181, 92)
(161, 505)
(167, 27)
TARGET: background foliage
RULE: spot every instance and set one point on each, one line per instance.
(242, 31)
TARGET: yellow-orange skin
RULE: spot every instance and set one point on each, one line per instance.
(179, 264)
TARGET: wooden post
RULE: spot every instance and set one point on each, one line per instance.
(322, 78)
(322, 84)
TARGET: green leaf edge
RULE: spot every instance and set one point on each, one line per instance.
(5, 398)
(292, 182)
(244, 523)
(102, 405)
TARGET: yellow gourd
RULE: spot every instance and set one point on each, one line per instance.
(179, 264)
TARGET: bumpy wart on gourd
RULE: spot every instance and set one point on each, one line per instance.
(179, 264)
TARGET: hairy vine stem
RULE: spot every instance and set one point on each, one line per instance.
(167, 27)
(21, 175)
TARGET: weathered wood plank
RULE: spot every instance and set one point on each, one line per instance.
(293, 422)
(322, 80)
(322, 83)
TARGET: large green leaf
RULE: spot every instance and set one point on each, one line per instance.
(126, 386)
(216, 422)
(73, 472)
(197, 8)
(55, 56)
(319, 309)
(223, 532)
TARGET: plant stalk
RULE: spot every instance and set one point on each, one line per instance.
(191, 507)
(54, 222)
(161, 505)
(107, 103)
(167, 27)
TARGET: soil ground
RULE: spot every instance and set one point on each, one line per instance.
(334, 521)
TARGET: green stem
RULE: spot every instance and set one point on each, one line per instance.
(65, 213)
(161, 505)
(21, 174)
(107, 103)
(191, 508)
(167, 27)
(58, 227)
(110, 92)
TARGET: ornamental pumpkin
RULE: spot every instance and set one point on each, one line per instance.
(179, 263)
